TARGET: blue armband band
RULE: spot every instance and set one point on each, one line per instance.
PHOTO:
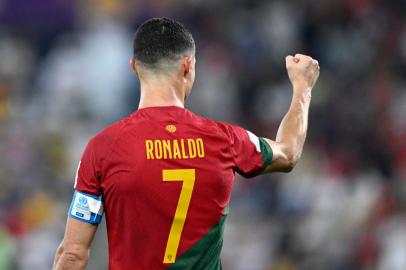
(86, 207)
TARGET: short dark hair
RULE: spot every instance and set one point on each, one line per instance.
(161, 39)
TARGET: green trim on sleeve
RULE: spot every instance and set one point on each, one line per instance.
(266, 152)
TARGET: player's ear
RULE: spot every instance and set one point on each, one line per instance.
(133, 66)
(187, 65)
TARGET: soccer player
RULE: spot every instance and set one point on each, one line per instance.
(163, 176)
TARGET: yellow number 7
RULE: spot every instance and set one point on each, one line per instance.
(187, 176)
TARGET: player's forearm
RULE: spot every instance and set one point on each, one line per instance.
(70, 259)
(293, 128)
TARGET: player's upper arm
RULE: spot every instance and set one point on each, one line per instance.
(78, 234)
(73, 252)
(254, 155)
(282, 160)
(86, 209)
(250, 154)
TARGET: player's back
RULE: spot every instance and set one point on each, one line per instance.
(166, 175)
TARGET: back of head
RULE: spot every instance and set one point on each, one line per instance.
(160, 42)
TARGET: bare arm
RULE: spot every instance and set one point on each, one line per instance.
(73, 252)
(287, 148)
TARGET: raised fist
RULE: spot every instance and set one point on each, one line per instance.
(303, 70)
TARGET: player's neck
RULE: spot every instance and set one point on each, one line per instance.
(161, 93)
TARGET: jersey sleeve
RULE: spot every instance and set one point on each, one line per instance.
(88, 174)
(251, 154)
(87, 202)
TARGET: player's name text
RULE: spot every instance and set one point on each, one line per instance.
(174, 149)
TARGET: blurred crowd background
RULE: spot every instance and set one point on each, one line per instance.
(64, 75)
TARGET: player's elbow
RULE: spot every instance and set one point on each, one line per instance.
(286, 166)
(290, 161)
(290, 165)
(71, 257)
(285, 158)
(75, 255)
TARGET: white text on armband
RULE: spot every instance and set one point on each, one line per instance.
(87, 208)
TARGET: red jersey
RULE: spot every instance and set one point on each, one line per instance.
(164, 176)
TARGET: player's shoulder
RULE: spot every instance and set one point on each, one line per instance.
(219, 127)
(107, 136)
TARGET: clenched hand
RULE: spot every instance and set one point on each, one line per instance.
(303, 71)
